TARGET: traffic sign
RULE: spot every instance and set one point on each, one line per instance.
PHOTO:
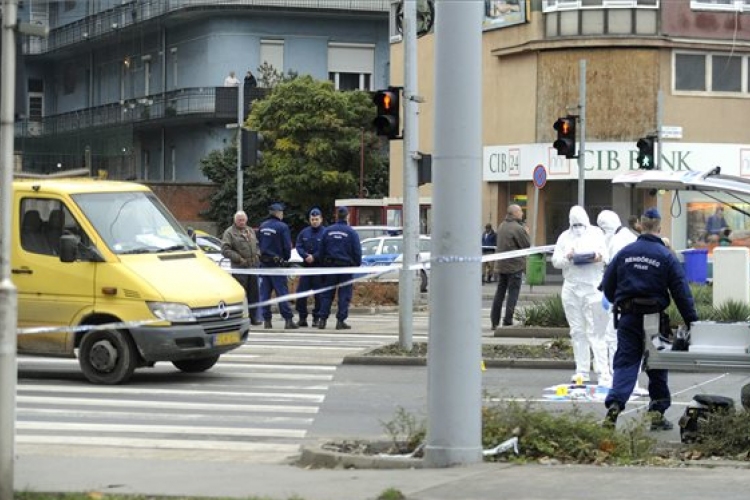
(669, 132)
(540, 176)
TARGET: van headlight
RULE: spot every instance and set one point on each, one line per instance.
(245, 308)
(172, 311)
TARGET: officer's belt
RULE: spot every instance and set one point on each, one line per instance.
(337, 263)
(639, 305)
(272, 261)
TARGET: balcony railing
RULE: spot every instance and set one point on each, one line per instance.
(110, 21)
(219, 103)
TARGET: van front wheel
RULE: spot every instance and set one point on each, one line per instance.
(107, 357)
(195, 365)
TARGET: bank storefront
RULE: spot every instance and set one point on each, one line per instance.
(509, 170)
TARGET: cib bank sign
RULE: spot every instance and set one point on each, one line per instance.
(605, 160)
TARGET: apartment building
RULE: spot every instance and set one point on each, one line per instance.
(681, 64)
(137, 88)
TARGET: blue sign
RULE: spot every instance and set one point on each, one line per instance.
(540, 176)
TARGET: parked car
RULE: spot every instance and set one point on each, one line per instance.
(366, 232)
(388, 250)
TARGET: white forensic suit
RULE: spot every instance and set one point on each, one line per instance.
(616, 237)
(581, 252)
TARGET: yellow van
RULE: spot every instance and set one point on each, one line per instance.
(110, 276)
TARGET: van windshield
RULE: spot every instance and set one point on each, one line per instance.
(133, 222)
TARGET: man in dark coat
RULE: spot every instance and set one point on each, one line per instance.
(511, 235)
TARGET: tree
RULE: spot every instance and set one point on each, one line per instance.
(312, 139)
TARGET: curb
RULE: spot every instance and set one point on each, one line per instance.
(324, 459)
(552, 364)
(531, 332)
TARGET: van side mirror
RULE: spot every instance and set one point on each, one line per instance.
(69, 247)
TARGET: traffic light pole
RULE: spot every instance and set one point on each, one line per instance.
(582, 128)
(411, 189)
(240, 173)
(8, 291)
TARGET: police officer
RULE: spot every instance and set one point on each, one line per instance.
(275, 243)
(638, 281)
(308, 247)
(340, 247)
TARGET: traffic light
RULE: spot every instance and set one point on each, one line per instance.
(387, 121)
(251, 143)
(645, 157)
(566, 136)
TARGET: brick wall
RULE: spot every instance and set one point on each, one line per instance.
(186, 201)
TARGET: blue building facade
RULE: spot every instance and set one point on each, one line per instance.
(137, 88)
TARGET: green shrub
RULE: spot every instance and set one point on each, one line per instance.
(732, 311)
(702, 294)
(548, 312)
(723, 434)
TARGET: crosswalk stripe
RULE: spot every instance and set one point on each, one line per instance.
(161, 444)
(186, 405)
(161, 429)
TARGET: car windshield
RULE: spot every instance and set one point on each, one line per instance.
(209, 244)
(370, 247)
(133, 222)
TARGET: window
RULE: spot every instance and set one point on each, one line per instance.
(395, 34)
(556, 5)
(272, 53)
(717, 73)
(36, 99)
(351, 65)
(43, 221)
(726, 5)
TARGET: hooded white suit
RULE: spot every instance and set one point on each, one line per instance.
(617, 237)
(579, 293)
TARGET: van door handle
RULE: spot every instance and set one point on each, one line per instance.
(23, 270)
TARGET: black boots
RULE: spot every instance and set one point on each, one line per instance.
(290, 325)
(341, 325)
(321, 324)
(303, 323)
(316, 322)
(267, 324)
(610, 421)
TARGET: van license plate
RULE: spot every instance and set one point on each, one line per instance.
(227, 338)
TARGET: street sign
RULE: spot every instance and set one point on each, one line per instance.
(668, 132)
(540, 176)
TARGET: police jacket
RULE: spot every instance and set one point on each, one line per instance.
(647, 269)
(240, 245)
(511, 235)
(489, 240)
(275, 241)
(308, 243)
(340, 246)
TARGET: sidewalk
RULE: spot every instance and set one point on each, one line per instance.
(240, 479)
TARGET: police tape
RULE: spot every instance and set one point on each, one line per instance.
(360, 274)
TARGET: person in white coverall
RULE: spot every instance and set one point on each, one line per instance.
(616, 237)
(581, 252)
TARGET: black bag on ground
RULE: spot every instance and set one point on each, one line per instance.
(697, 413)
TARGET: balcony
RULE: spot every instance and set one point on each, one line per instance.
(181, 105)
(111, 21)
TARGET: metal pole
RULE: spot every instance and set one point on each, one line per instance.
(582, 128)
(411, 190)
(659, 123)
(454, 376)
(8, 292)
(362, 163)
(240, 179)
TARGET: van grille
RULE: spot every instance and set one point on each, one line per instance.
(210, 318)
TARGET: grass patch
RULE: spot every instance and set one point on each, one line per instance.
(548, 313)
(558, 348)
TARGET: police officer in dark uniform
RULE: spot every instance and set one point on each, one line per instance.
(340, 247)
(638, 282)
(275, 244)
(308, 247)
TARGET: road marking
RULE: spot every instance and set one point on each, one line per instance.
(192, 430)
(159, 444)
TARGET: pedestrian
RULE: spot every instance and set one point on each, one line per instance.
(716, 223)
(639, 281)
(340, 247)
(512, 235)
(240, 246)
(489, 242)
(616, 236)
(231, 80)
(308, 248)
(275, 243)
(726, 238)
(250, 81)
(580, 252)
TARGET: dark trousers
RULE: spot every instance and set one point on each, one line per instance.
(276, 284)
(309, 283)
(345, 293)
(627, 364)
(250, 283)
(510, 283)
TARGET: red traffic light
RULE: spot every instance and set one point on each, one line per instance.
(566, 136)
(387, 121)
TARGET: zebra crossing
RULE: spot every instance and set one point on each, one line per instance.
(247, 404)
